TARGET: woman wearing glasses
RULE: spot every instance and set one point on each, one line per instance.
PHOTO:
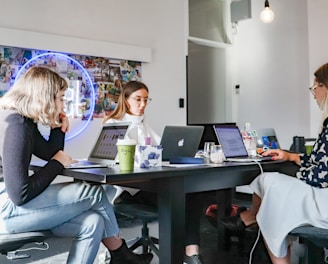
(282, 203)
(131, 108)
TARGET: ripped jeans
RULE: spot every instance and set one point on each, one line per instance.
(78, 210)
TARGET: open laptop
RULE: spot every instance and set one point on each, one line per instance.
(208, 133)
(104, 151)
(267, 139)
(232, 144)
(180, 141)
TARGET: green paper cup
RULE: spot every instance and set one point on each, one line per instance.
(126, 149)
(308, 147)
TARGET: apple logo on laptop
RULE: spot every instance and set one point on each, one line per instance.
(181, 142)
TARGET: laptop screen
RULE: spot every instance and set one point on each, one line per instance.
(209, 133)
(231, 141)
(105, 147)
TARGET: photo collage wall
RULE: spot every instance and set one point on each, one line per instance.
(107, 76)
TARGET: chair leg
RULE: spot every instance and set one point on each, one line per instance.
(132, 241)
(148, 243)
(312, 254)
(152, 244)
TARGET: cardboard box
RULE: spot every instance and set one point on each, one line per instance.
(148, 156)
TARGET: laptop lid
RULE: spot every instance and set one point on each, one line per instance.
(209, 133)
(231, 141)
(180, 141)
(267, 139)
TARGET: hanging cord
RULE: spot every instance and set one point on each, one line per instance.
(13, 255)
(254, 246)
(259, 231)
(44, 244)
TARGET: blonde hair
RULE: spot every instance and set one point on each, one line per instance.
(34, 95)
(122, 105)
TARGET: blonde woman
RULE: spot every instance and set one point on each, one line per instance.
(282, 203)
(30, 202)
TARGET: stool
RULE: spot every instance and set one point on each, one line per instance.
(312, 238)
(145, 213)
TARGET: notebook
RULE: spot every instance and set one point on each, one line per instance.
(104, 151)
(232, 144)
(180, 141)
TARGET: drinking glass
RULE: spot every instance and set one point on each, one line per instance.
(207, 150)
(216, 155)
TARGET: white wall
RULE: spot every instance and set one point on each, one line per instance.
(274, 63)
(272, 68)
(159, 25)
(318, 39)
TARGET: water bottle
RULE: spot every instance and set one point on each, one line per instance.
(250, 139)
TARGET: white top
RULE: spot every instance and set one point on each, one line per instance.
(138, 130)
(286, 204)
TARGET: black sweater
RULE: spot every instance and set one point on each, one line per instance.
(19, 139)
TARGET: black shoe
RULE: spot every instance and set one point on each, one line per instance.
(240, 210)
(233, 223)
(124, 255)
(195, 259)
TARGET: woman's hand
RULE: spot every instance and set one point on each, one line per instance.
(63, 158)
(64, 121)
(278, 154)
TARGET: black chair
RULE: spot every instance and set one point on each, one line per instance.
(315, 240)
(145, 213)
(11, 243)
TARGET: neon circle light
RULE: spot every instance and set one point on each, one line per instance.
(42, 60)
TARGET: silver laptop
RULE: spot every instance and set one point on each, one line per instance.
(232, 143)
(104, 151)
(180, 141)
(267, 139)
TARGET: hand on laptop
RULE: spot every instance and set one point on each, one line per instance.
(63, 158)
(278, 154)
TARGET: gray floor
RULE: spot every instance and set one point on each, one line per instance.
(212, 247)
(211, 251)
(58, 248)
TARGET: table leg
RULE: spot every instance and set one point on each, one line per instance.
(224, 200)
(171, 209)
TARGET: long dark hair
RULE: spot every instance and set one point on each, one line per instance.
(122, 104)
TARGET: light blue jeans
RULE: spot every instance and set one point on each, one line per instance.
(78, 210)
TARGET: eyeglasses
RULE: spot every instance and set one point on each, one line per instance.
(138, 100)
(313, 88)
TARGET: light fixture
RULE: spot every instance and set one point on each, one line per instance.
(267, 14)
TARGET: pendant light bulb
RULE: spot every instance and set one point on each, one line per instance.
(267, 14)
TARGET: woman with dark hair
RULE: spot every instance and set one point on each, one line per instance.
(282, 203)
(131, 107)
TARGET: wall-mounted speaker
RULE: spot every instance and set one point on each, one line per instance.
(240, 10)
